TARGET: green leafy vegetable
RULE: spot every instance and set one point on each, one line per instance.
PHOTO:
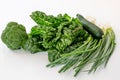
(33, 44)
(14, 35)
(59, 34)
(43, 19)
(53, 55)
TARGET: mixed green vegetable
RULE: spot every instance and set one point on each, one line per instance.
(71, 42)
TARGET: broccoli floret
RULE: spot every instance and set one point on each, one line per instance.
(14, 35)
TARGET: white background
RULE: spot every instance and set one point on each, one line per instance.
(21, 65)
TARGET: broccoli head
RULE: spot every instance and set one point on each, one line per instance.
(14, 35)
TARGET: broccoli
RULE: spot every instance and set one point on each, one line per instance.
(14, 35)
